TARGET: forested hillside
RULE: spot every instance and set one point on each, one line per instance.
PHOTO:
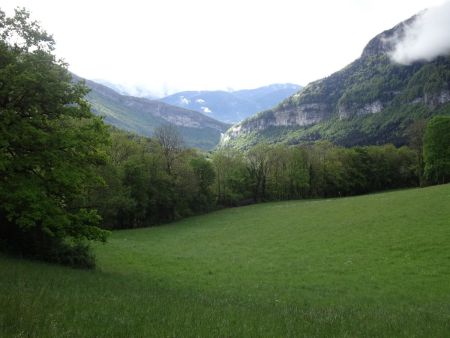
(371, 101)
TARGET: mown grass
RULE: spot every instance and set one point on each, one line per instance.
(376, 265)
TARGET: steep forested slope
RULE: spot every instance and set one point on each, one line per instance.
(371, 101)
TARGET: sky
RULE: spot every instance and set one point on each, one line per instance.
(168, 46)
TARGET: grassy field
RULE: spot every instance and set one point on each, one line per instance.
(376, 265)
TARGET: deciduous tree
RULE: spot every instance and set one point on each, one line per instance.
(437, 150)
(49, 143)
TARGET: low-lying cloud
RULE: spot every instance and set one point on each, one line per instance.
(426, 38)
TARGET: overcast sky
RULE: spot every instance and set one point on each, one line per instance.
(179, 45)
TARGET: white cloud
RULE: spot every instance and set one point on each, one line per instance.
(184, 100)
(206, 110)
(426, 38)
(200, 101)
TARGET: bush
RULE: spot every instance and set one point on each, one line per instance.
(44, 246)
(77, 255)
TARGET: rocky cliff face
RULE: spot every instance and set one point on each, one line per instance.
(172, 114)
(370, 86)
(175, 115)
(348, 111)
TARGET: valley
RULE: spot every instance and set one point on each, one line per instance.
(277, 211)
(233, 106)
(142, 116)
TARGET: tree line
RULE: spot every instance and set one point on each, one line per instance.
(66, 177)
(147, 184)
(149, 181)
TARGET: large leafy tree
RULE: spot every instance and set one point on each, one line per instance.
(230, 176)
(49, 144)
(437, 150)
(258, 161)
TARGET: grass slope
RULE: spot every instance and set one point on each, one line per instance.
(376, 265)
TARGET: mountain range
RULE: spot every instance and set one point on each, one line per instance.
(142, 116)
(232, 106)
(371, 101)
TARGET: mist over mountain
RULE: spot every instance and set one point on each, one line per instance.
(232, 106)
(425, 38)
(229, 106)
(371, 101)
(130, 90)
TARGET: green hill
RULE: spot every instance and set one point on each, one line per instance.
(371, 101)
(375, 265)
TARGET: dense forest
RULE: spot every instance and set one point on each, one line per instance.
(151, 181)
(66, 176)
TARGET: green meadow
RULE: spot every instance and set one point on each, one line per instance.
(375, 265)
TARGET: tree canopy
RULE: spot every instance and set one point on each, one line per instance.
(437, 149)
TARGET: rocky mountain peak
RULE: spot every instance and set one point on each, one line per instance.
(385, 42)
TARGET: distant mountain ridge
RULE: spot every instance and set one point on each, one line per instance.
(232, 106)
(142, 116)
(371, 101)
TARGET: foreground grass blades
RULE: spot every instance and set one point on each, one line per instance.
(376, 265)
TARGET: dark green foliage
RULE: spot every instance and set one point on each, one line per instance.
(338, 171)
(41, 245)
(204, 176)
(230, 172)
(437, 150)
(280, 172)
(149, 183)
(258, 169)
(415, 133)
(49, 144)
(288, 172)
